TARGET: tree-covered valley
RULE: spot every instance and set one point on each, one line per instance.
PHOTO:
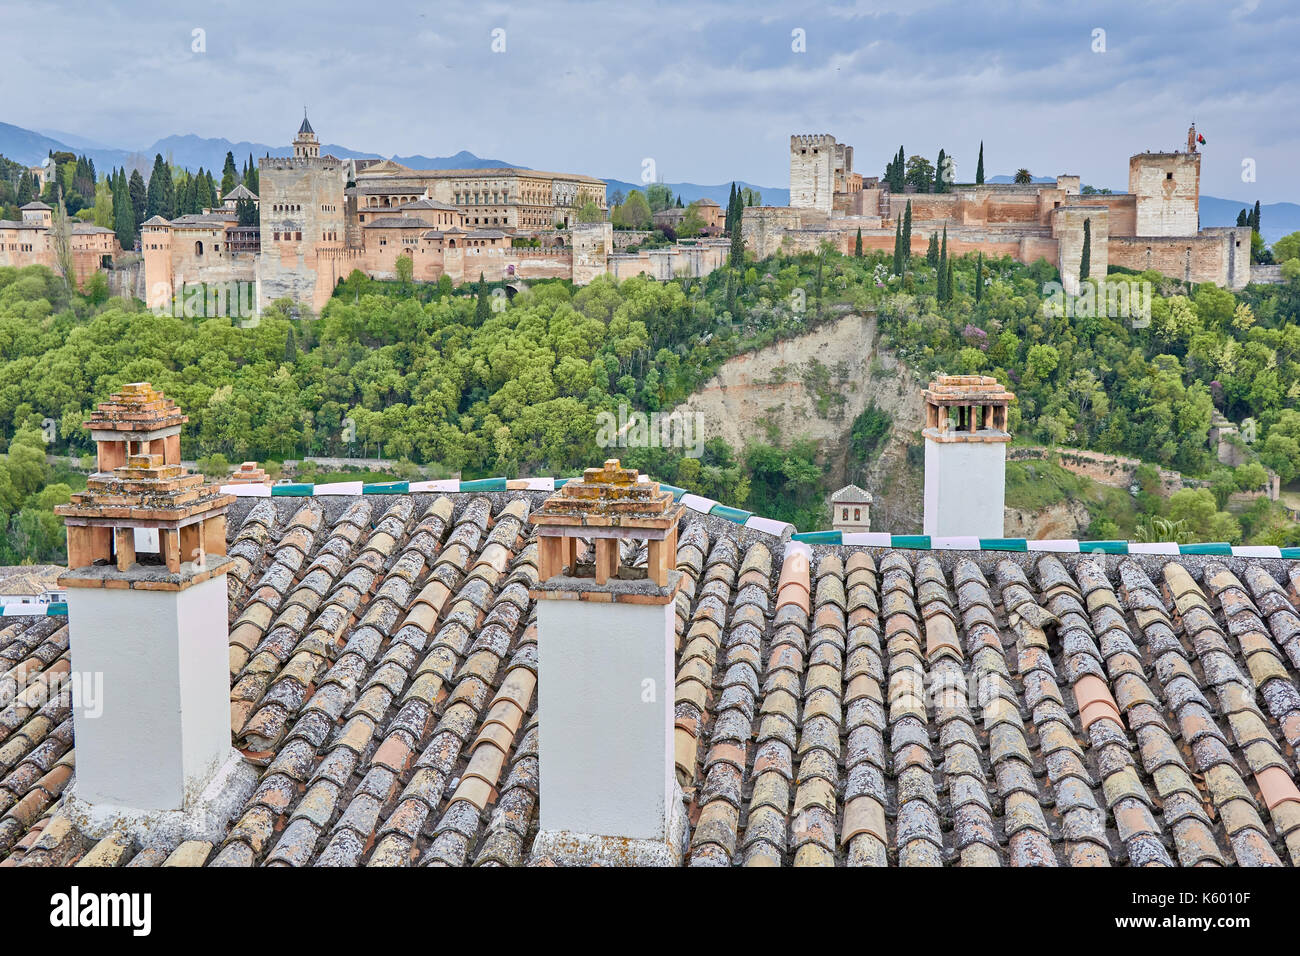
(476, 383)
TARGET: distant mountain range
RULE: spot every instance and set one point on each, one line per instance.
(1276, 219)
(31, 147)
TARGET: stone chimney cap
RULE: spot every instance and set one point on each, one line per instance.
(967, 389)
(249, 473)
(610, 497)
(141, 484)
(137, 408)
(608, 504)
(144, 490)
(966, 408)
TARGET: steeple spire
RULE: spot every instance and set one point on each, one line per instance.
(305, 145)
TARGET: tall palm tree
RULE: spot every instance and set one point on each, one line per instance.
(1023, 176)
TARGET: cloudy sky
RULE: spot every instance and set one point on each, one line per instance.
(710, 91)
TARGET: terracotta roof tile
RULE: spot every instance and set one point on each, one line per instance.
(834, 705)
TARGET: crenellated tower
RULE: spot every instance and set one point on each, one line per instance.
(302, 214)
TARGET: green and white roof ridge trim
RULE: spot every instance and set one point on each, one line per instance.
(747, 519)
(922, 542)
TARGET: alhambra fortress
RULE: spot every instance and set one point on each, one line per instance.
(320, 218)
(1155, 225)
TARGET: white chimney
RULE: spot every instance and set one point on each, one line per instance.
(965, 456)
(605, 635)
(148, 634)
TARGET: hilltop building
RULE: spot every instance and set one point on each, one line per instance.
(1155, 225)
(30, 241)
(320, 218)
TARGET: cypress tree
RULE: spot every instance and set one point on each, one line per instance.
(939, 184)
(253, 179)
(979, 168)
(736, 258)
(1255, 224)
(897, 170)
(1242, 218)
(483, 307)
(932, 253)
(907, 234)
(979, 278)
(169, 192)
(139, 198)
(1085, 258)
(26, 187)
(157, 198)
(948, 284)
(81, 177)
(898, 248)
(857, 245)
(123, 214)
(944, 273)
(228, 174)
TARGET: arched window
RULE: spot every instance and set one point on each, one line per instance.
(198, 248)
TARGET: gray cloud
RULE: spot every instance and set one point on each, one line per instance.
(710, 90)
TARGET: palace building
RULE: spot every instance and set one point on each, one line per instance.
(320, 218)
(31, 241)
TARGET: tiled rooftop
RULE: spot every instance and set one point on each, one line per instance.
(834, 705)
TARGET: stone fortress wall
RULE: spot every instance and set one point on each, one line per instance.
(1156, 225)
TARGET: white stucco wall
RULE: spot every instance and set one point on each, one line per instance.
(606, 751)
(965, 488)
(164, 728)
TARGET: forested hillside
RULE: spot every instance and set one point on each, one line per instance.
(435, 375)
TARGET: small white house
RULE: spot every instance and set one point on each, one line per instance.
(851, 509)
